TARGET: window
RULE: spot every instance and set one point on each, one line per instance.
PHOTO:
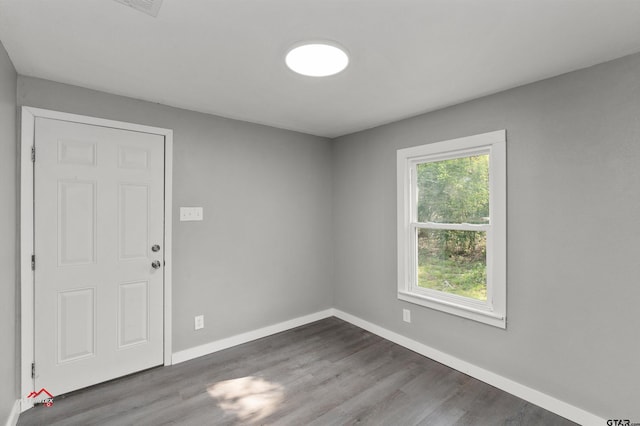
(452, 226)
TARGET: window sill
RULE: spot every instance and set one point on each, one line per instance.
(486, 317)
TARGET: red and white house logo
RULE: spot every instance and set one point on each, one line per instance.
(42, 397)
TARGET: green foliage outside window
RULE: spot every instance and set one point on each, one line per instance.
(453, 191)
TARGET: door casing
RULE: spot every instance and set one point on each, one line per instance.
(29, 115)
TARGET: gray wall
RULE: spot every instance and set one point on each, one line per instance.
(262, 254)
(573, 150)
(8, 207)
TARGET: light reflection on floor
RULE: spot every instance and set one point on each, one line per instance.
(249, 398)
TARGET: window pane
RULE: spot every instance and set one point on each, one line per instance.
(453, 262)
(454, 191)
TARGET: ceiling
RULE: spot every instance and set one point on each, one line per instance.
(226, 57)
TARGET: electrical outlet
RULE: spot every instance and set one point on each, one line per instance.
(406, 315)
(199, 322)
(191, 213)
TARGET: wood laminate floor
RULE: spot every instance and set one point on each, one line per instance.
(325, 373)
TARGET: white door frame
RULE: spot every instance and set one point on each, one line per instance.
(29, 115)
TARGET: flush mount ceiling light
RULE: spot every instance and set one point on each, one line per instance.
(317, 59)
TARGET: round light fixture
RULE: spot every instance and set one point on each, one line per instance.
(317, 59)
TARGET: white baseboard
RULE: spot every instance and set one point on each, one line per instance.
(533, 396)
(239, 339)
(12, 420)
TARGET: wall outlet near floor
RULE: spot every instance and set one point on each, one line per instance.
(406, 315)
(199, 322)
(191, 213)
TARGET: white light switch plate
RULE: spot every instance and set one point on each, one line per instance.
(191, 213)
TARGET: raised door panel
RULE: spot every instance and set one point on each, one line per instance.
(76, 334)
(77, 153)
(133, 313)
(76, 222)
(130, 157)
(133, 221)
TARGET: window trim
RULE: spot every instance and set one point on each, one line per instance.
(493, 311)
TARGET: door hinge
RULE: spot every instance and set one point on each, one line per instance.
(33, 262)
(33, 154)
(33, 370)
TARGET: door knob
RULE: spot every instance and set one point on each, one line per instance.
(155, 248)
(156, 264)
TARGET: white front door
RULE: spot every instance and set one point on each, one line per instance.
(98, 226)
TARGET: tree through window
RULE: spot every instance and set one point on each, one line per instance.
(454, 191)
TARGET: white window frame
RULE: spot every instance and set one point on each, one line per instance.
(493, 311)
